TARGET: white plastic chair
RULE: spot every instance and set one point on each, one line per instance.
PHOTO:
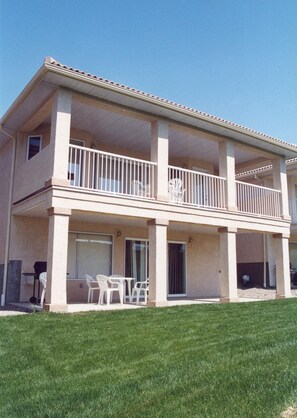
(176, 191)
(114, 281)
(43, 281)
(138, 289)
(92, 286)
(105, 288)
(137, 188)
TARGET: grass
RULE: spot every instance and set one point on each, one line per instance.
(236, 360)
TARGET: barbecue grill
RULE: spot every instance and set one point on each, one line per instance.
(39, 267)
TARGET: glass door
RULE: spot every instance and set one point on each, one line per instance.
(136, 259)
(176, 269)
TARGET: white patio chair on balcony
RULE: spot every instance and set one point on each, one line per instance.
(43, 281)
(105, 288)
(176, 191)
(92, 286)
(139, 289)
(137, 188)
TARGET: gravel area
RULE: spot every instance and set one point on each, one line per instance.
(260, 293)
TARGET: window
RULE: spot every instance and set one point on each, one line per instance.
(77, 142)
(34, 146)
(89, 254)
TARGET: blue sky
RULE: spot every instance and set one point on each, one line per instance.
(236, 59)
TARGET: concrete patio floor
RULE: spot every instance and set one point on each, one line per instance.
(245, 295)
(88, 307)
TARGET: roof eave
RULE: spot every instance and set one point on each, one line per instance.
(79, 76)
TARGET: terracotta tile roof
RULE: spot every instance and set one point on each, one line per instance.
(160, 99)
(263, 169)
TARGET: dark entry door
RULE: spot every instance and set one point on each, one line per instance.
(177, 268)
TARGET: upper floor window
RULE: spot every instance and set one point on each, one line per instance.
(34, 146)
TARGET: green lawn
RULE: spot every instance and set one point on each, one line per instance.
(236, 360)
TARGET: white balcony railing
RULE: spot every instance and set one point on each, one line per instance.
(258, 200)
(197, 189)
(293, 210)
(119, 175)
(110, 173)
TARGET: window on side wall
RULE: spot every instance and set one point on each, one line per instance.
(34, 146)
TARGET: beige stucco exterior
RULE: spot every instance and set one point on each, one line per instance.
(127, 136)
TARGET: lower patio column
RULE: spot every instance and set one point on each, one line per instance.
(56, 291)
(282, 266)
(157, 262)
(228, 265)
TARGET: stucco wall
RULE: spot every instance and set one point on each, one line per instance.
(29, 244)
(5, 169)
(30, 175)
(250, 248)
(203, 266)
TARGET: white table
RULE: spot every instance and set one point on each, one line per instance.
(122, 280)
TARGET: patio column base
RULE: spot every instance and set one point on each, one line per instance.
(56, 308)
(283, 296)
(157, 304)
(228, 300)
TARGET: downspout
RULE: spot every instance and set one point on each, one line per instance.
(8, 228)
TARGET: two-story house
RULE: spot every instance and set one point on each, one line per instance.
(98, 177)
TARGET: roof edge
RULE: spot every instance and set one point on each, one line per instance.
(52, 65)
(56, 66)
(25, 92)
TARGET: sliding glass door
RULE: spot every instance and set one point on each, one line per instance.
(136, 259)
(137, 264)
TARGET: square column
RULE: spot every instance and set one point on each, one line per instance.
(279, 172)
(227, 170)
(60, 134)
(158, 262)
(56, 289)
(282, 266)
(159, 155)
(228, 265)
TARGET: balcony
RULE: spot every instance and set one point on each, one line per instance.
(114, 174)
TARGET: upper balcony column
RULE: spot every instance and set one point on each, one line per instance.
(280, 183)
(159, 155)
(60, 134)
(227, 170)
